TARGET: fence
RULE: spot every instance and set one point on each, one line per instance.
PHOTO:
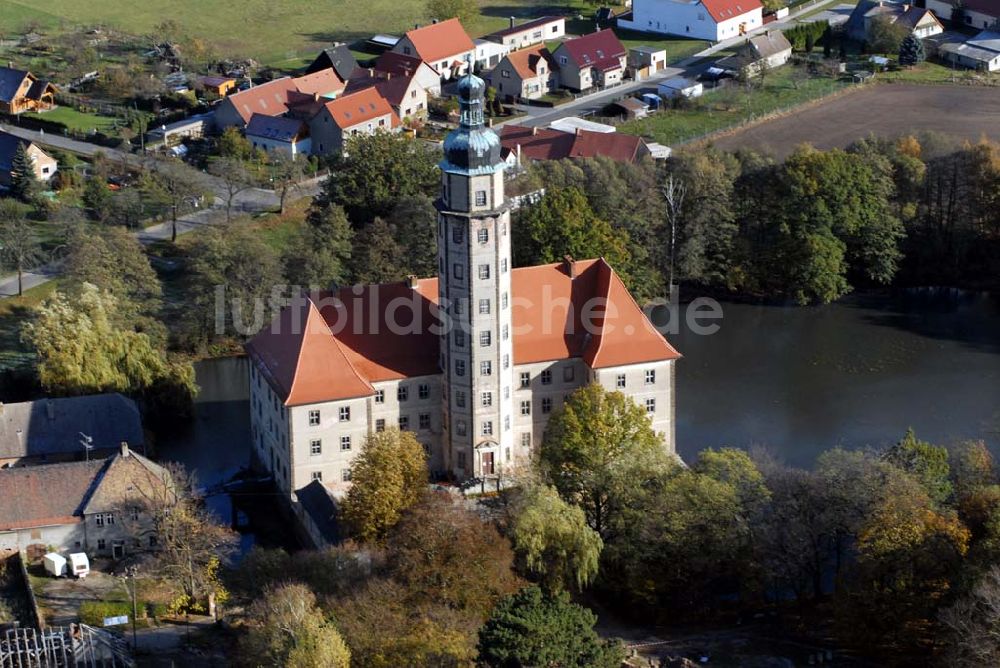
(75, 646)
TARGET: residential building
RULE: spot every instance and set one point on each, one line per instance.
(645, 61)
(527, 74)
(981, 14)
(99, 506)
(22, 91)
(444, 45)
(981, 52)
(59, 430)
(338, 58)
(45, 165)
(473, 362)
(714, 20)
(521, 145)
(769, 49)
(404, 92)
(279, 133)
(597, 59)
(276, 97)
(396, 64)
(536, 31)
(919, 21)
(489, 54)
(218, 86)
(363, 112)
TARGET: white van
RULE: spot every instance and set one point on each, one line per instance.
(79, 564)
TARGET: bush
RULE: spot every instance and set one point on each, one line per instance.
(157, 610)
(804, 34)
(93, 613)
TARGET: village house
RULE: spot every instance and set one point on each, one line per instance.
(981, 52)
(22, 91)
(407, 97)
(334, 368)
(522, 145)
(714, 20)
(527, 74)
(364, 112)
(444, 45)
(396, 64)
(59, 430)
(97, 506)
(919, 21)
(536, 31)
(279, 133)
(597, 59)
(980, 14)
(338, 58)
(44, 164)
(275, 97)
(489, 54)
(768, 50)
(645, 61)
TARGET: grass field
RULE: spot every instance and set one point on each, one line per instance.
(76, 120)
(727, 108)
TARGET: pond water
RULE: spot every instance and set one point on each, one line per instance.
(800, 380)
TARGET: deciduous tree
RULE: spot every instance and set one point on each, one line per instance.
(320, 252)
(20, 247)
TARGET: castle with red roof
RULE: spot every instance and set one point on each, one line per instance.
(473, 362)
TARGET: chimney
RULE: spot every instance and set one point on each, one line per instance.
(491, 122)
(371, 72)
(50, 409)
(569, 265)
(411, 282)
(512, 22)
(123, 449)
(534, 130)
(579, 132)
(434, 22)
(315, 97)
(518, 155)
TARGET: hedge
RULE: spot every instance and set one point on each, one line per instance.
(93, 613)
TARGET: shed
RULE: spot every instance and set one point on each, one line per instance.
(680, 87)
(571, 124)
(630, 107)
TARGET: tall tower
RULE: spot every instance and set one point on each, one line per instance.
(474, 288)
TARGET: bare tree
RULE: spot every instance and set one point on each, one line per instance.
(235, 178)
(285, 174)
(973, 623)
(20, 248)
(179, 187)
(674, 191)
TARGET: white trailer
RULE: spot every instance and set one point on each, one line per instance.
(79, 564)
(55, 564)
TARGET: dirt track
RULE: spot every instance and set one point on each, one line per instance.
(965, 112)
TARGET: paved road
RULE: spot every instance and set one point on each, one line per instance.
(689, 67)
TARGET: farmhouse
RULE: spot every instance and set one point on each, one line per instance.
(444, 45)
(336, 367)
(597, 59)
(981, 52)
(714, 20)
(407, 97)
(537, 31)
(526, 74)
(488, 53)
(338, 58)
(363, 112)
(22, 91)
(980, 14)
(396, 64)
(45, 165)
(279, 133)
(920, 22)
(274, 98)
(768, 50)
(97, 506)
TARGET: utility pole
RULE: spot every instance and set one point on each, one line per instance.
(135, 612)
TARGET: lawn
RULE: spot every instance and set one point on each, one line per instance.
(677, 48)
(76, 120)
(14, 311)
(730, 107)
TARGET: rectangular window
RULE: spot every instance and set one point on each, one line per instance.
(487, 428)
(317, 475)
(345, 443)
(485, 339)
(345, 475)
(313, 418)
(525, 379)
(461, 460)
(460, 398)
(460, 427)
(568, 373)
(404, 422)
(484, 271)
(620, 381)
(487, 399)
(484, 307)
(483, 235)
(380, 396)
(423, 391)
(101, 544)
(506, 361)
(486, 368)
(402, 393)
(380, 424)
(503, 300)
(457, 271)
(525, 408)
(506, 392)
(506, 332)
(650, 405)
(506, 423)
(546, 405)
(459, 339)
(480, 198)
(650, 376)
(316, 447)
(109, 519)
(526, 439)
(459, 367)
(503, 266)
(547, 377)
(424, 420)
(457, 235)
(99, 519)
(345, 413)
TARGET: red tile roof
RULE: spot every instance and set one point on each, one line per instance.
(548, 144)
(270, 99)
(597, 47)
(392, 88)
(387, 332)
(397, 63)
(438, 41)
(360, 107)
(525, 62)
(723, 10)
(323, 82)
